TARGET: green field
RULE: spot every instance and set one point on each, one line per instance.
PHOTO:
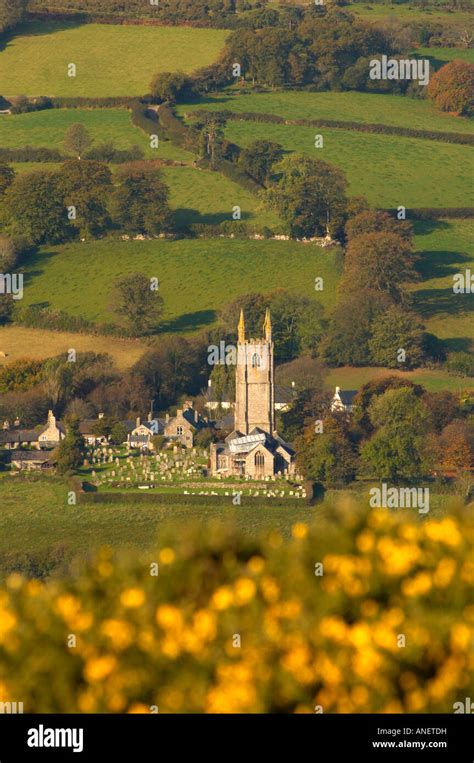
(445, 247)
(441, 56)
(35, 516)
(110, 60)
(369, 108)
(47, 129)
(197, 277)
(389, 171)
(348, 377)
(203, 196)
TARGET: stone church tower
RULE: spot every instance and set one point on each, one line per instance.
(254, 381)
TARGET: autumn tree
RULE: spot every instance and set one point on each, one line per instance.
(383, 260)
(451, 88)
(377, 221)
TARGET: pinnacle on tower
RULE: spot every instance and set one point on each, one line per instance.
(241, 327)
(267, 325)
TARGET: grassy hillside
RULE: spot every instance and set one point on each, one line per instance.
(110, 60)
(35, 515)
(348, 377)
(197, 277)
(369, 108)
(21, 342)
(386, 169)
(203, 196)
(446, 247)
(47, 129)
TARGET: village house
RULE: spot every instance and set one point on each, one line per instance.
(343, 400)
(41, 438)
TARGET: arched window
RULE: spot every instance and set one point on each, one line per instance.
(259, 460)
(179, 431)
(255, 360)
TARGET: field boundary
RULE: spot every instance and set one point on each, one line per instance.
(338, 124)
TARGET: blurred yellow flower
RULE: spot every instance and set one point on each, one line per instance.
(169, 617)
(299, 530)
(167, 556)
(256, 565)
(244, 590)
(98, 668)
(222, 598)
(132, 598)
(119, 632)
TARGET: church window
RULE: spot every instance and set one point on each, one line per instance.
(255, 360)
(179, 431)
(259, 460)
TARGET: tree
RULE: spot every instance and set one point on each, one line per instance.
(398, 448)
(373, 390)
(70, 452)
(452, 86)
(455, 446)
(258, 159)
(350, 330)
(86, 185)
(171, 368)
(171, 86)
(377, 221)
(328, 457)
(212, 137)
(34, 207)
(7, 176)
(137, 302)
(118, 433)
(21, 375)
(11, 13)
(310, 196)
(141, 200)
(383, 260)
(397, 339)
(77, 140)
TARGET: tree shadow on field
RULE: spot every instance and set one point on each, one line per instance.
(185, 216)
(438, 264)
(189, 321)
(38, 29)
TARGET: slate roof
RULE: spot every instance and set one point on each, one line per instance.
(31, 455)
(19, 435)
(347, 396)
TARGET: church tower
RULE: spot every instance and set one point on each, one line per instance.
(254, 380)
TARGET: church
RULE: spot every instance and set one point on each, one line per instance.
(254, 448)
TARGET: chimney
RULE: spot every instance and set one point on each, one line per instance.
(167, 418)
(338, 389)
(196, 417)
(138, 421)
(209, 382)
(150, 416)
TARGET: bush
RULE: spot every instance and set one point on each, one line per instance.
(309, 640)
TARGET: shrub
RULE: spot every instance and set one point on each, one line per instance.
(330, 640)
